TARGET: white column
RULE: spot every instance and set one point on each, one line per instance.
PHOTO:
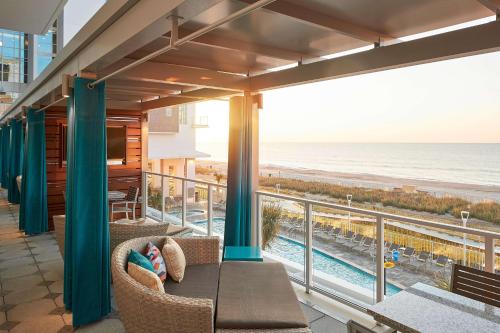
(252, 103)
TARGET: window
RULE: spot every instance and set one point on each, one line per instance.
(183, 114)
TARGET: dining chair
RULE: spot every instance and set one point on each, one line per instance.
(128, 205)
(476, 284)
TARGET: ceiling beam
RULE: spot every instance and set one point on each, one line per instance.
(140, 85)
(324, 20)
(180, 75)
(454, 44)
(220, 41)
(493, 5)
(189, 97)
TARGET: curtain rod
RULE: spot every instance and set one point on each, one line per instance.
(53, 103)
(188, 38)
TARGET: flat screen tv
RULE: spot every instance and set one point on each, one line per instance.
(116, 144)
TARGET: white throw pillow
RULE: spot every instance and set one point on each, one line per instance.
(145, 277)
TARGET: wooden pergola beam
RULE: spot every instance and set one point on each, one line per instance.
(325, 21)
(454, 44)
(181, 75)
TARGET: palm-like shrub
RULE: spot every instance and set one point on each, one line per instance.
(271, 214)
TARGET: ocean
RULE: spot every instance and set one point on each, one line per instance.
(465, 163)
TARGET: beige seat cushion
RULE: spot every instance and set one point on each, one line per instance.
(176, 261)
(145, 277)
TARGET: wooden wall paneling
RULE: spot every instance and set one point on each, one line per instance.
(120, 177)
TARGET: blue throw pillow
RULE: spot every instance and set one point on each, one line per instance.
(140, 260)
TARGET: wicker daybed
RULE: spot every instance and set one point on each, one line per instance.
(142, 309)
(182, 310)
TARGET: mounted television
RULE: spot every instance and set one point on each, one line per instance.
(116, 144)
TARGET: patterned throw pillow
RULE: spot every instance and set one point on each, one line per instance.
(140, 260)
(145, 277)
(176, 261)
(154, 256)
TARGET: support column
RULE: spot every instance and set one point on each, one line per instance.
(86, 257)
(243, 171)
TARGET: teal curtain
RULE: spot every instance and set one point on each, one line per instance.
(33, 210)
(15, 159)
(1, 153)
(239, 176)
(5, 155)
(86, 258)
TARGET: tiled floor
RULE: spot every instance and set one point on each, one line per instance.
(31, 286)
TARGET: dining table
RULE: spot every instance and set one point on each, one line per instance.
(422, 308)
(115, 196)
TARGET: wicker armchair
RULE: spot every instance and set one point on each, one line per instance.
(142, 309)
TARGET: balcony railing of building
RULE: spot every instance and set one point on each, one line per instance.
(336, 250)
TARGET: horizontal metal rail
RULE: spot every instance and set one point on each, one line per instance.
(185, 179)
(385, 216)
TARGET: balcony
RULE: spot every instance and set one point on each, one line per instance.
(333, 249)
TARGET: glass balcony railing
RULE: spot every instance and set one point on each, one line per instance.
(353, 255)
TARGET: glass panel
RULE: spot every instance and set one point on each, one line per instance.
(173, 200)
(196, 206)
(154, 197)
(219, 210)
(283, 234)
(344, 254)
(426, 254)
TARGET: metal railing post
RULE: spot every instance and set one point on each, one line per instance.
(489, 254)
(380, 259)
(184, 201)
(162, 200)
(144, 204)
(258, 200)
(309, 241)
(209, 211)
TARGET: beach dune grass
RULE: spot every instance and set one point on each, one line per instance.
(420, 201)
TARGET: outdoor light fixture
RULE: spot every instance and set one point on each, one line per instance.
(465, 217)
(349, 200)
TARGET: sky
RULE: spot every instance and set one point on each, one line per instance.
(448, 101)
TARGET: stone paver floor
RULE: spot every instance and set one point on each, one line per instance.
(31, 286)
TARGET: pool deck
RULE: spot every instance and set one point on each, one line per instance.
(402, 275)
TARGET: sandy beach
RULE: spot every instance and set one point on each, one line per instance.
(471, 192)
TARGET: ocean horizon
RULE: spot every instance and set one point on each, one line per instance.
(465, 163)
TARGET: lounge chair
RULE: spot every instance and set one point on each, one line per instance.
(407, 255)
(369, 244)
(347, 237)
(442, 262)
(393, 247)
(317, 227)
(422, 260)
(364, 245)
(356, 241)
(335, 232)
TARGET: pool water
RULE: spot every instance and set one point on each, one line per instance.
(294, 251)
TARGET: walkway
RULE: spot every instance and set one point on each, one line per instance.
(31, 286)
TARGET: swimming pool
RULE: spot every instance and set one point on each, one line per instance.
(322, 262)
